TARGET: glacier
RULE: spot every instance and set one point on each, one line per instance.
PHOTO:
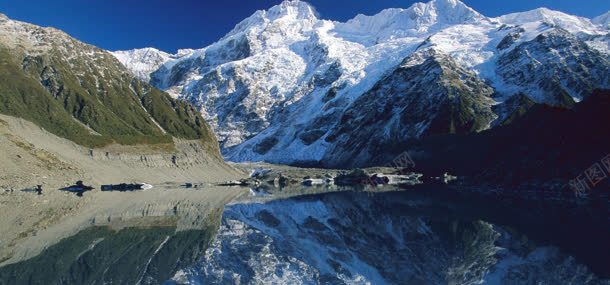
(269, 84)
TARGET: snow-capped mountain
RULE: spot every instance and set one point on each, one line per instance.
(603, 20)
(142, 62)
(443, 98)
(573, 24)
(285, 86)
(419, 19)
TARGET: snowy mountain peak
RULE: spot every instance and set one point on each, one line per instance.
(294, 9)
(289, 15)
(540, 14)
(602, 20)
(278, 83)
(184, 51)
(573, 24)
(418, 20)
(454, 11)
(142, 62)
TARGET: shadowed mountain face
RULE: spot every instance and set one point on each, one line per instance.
(555, 67)
(542, 143)
(391, 238)
(84, 94)
(427, 94)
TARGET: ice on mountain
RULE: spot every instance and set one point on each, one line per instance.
(260, 88)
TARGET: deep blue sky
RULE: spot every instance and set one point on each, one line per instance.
(173, 24)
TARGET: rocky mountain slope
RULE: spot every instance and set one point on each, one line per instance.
(287, 87)
(84, 94)
(544, 144)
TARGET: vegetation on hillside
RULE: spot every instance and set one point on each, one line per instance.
(93, 102)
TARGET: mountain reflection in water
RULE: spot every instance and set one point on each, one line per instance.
(351, 237)
(390, 238)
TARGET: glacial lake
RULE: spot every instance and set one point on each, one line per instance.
(348, 237)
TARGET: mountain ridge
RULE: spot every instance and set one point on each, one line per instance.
(602, 20)
(83, 93)
(268, 85)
